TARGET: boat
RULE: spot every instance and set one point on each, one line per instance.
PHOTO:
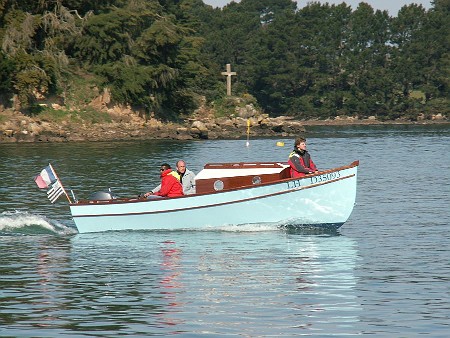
(231, 194)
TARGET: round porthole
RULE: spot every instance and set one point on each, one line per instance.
(218, 185)
(256, 180)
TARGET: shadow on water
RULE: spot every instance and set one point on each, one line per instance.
(309, 231)
(23, 223)
(243, 229)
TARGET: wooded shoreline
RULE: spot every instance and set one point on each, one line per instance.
(166, 57)
(25, 129)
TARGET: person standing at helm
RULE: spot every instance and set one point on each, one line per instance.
(300, 161)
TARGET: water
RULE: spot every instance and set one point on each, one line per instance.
(386, 272)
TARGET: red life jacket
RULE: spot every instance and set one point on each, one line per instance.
(294, 172)
(170, 185)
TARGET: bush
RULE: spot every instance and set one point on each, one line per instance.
(88, 115)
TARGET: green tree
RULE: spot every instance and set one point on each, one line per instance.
(320, 61)
(366, 53)
(35, 44)
(7, 68)
(323, 39)
(435, 61)
(408, 51)
(237, 35)
(144, 55)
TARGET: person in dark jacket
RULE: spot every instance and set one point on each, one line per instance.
(170, 184)
(300, 161)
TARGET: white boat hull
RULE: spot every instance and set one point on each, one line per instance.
(323, 200)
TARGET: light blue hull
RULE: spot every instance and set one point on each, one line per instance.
(324, 200)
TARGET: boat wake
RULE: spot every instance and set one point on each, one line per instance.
(288, 227)
(24, 223)
(243, 228)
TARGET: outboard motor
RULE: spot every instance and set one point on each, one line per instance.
(103, 196)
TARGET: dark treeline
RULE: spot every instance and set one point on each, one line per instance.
(165, 56)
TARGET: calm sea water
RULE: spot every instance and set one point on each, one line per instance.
(386, 272)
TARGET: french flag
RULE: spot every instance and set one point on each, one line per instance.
(45, 178)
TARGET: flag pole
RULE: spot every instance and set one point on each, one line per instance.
(59, 181)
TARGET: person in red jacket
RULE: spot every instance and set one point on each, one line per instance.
(300, 161)
(170, 184)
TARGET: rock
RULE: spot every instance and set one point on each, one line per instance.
(437, 117)
(199, 134)
(101, 102)
(199, 130)
(253, 121)
(199, 125)
(225, 123)
(8, 132)
(213, 135)
(135, 133)
(34, 128)
(246, 112)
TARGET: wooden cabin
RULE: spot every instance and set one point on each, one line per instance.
(224, 176)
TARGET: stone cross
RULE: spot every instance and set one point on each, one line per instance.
(228, 73)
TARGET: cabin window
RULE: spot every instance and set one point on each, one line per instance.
(218, 185)
(256, 180)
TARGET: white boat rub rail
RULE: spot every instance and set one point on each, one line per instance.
(140, 200)
(249, 193)
(220, 204)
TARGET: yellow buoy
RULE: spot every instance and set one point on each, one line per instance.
(280, 144)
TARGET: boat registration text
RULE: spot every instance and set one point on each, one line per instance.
(314, 180)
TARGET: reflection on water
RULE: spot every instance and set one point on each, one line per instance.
(385, 272)
(174, 282)
(170, 282)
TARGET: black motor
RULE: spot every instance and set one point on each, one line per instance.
(103, 196)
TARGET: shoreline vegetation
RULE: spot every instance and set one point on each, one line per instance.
(122, 124)
(105, 70)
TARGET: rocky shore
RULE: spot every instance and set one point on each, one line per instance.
(127, 125)
(22, 128)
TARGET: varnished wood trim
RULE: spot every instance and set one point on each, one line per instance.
(141, 200)
(223, 203)
(244, 165)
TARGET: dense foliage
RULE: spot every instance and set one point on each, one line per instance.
(164, 56)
